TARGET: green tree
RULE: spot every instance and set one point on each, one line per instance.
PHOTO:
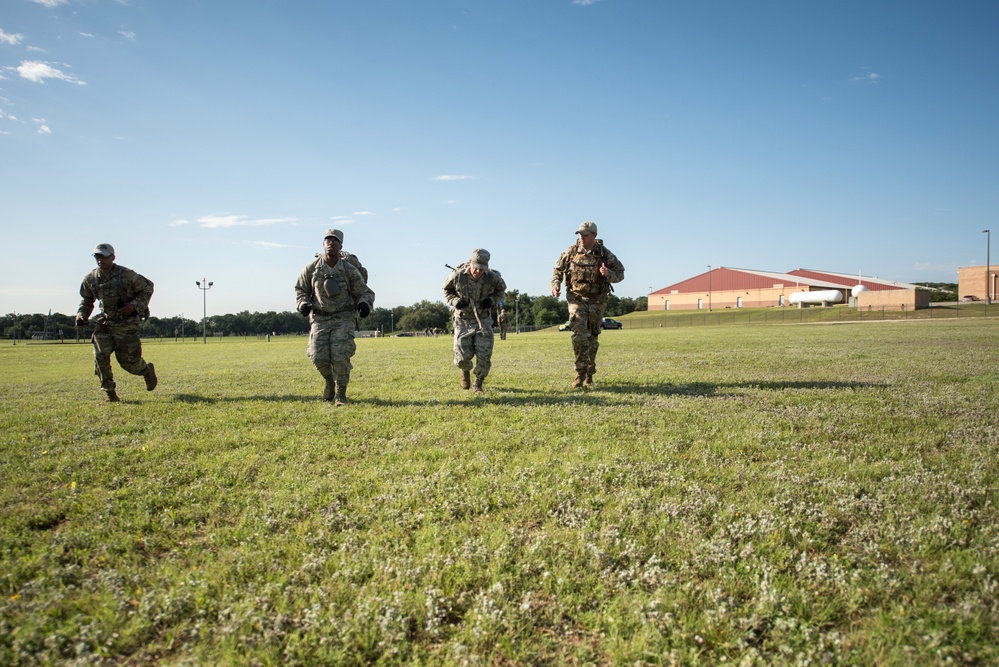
(423, 315)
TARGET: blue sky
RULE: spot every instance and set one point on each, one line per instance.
(220, 139)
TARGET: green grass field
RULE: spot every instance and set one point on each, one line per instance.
(801, 494)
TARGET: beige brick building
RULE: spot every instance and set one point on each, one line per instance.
(972, 281)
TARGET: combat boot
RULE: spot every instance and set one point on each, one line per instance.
(477, 387)
(150, 377)
(578, 382)
(112, 396)
(341, 395)
(329, 389)
(466, 382)
(588, 381)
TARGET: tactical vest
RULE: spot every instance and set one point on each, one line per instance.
(583, 273)
(112, 295)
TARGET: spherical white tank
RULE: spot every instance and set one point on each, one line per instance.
(822, 296)
(857, 289)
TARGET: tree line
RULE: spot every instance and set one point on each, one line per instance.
(529, 312)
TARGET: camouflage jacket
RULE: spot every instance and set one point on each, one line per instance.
(353, 260)
(113, 291)
(460, 285)
(580, 270)
(332, 290)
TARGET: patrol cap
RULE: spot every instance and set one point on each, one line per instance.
(333, 232)
(480, 259)
(587, 228)
(104, 250)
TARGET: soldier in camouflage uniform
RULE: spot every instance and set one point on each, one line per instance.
(331, 291)
(124, 300)
(473, 290)
(588, 269)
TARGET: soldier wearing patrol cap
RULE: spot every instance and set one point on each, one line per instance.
(587, 268)
(332, 291)
(124, 298)
(473, 290)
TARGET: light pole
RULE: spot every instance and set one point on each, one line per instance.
(709, 288)
(989, 293)
(516, 313)
(392, 320)
(204, 286)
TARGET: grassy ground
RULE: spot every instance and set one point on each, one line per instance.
(749, 495)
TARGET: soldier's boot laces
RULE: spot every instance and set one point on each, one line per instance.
(112, 396)
(588, 381)
(329, 389)
(466, 382)
(341, 396)
(578, 382)
(150, 377)
(477, 387)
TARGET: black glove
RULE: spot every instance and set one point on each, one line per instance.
(305, 309)
(363, 309)
(81, 321)
(461, 303)
(487, 303)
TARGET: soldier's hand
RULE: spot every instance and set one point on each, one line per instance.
(604, 271)
(461, 303)
(81, 321)
(363, 309)
(487, 303)
(557, 291)
(305, 309)
(126, 310)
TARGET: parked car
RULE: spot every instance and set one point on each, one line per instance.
(564, 327)
(970, 297)
(608, 323)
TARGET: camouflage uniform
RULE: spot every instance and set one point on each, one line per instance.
(501, 321)
(115, 333)
(473, 324)
(334, 294)
(586, 292)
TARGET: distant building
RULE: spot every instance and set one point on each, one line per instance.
(725, 287)
(974, 284)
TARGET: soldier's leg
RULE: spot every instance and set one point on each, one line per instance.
(580, 327)
(464, 351)
(103, 343)
(484, 342)
(319, 354)
(596, 317)
(342, 348)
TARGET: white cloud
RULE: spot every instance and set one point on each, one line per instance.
(585, 2)
(86, 34)
(37, 71)
(453, 177)
(43, 127)
(127, 34)
(51, 4)
(363, 213)
(268, 244)
(180, 223)
(10, 39)
(867, 77)
(223, 221)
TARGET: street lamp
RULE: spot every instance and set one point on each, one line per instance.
(204, 286)
(516, 313)
(989, 292)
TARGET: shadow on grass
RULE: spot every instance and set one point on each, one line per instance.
(605, 393)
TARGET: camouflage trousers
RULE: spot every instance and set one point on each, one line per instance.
(331, 345)
(472, 342)
(584, 322)
(122, 340)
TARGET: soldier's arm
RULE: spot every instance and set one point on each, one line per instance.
(499, 289)
(359, 288)
(450, 288)
(303, 287)
(558, 274)
(142, 291)
(615, 268)
(87, 299)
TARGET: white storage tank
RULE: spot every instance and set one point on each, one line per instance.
(823, 297)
